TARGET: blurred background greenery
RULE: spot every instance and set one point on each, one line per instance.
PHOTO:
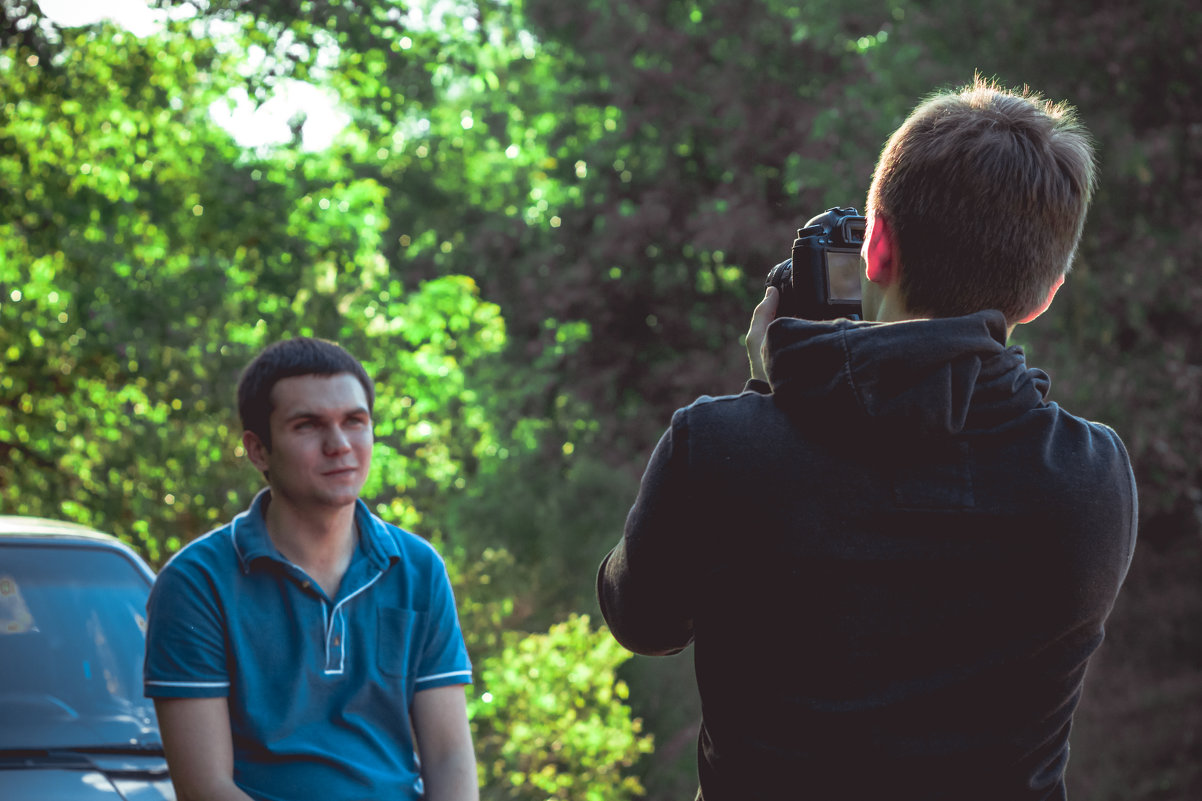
(543, 226)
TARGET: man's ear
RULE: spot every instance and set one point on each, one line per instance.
(879, 252)
(256, 451)
(1046, 302)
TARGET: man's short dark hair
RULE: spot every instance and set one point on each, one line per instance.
(287, 359)
(985, 191)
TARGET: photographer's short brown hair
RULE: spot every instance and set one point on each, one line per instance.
(985, 191)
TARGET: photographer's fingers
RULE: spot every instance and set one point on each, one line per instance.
(764, 314)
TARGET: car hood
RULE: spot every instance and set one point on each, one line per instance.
(108, 778)
(115, 757)
(133, 726)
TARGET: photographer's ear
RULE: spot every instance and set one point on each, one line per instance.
(879, 253)
(1043, 306)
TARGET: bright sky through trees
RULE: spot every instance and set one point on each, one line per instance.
(262, 126)
(133, 15)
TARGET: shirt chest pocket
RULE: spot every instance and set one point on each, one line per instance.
(399, 640)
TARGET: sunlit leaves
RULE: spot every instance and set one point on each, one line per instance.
(554, 743)
(431, 424)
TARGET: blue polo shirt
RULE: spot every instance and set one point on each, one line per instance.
(320, 689)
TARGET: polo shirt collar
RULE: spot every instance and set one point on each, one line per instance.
(251, 541)
(376, 539)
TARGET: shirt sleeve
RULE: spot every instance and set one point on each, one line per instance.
(444, 658)
(645, 584)
(185, 638)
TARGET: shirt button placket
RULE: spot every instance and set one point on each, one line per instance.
(334, 641)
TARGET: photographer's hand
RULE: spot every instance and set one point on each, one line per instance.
(757, 334)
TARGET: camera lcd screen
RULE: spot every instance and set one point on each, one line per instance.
(843, 275)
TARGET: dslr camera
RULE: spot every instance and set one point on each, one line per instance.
(822, 279)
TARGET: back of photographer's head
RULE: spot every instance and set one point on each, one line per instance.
(985, 192)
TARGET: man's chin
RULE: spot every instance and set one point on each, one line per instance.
(325, 493)
(338, 497)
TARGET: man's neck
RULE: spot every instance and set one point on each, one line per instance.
(320, 541)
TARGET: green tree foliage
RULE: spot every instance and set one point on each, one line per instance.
(106, 275)
(552, 743)
(547, 709)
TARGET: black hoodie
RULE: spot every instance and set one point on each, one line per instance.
(894, 565)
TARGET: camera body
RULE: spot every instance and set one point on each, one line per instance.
(822, 279)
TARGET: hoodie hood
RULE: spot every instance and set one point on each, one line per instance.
(926, 377)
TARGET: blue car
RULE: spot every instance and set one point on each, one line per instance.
(73, 722)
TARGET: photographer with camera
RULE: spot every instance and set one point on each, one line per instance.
(893, 554)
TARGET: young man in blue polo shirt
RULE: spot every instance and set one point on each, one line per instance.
(308, 649)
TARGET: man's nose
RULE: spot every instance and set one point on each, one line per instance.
(336, 440)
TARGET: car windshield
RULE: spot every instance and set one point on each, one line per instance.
(72, 633)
